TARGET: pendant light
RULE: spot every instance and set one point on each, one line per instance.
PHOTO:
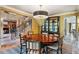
(40, 16)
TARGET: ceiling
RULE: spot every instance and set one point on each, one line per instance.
(52, 9)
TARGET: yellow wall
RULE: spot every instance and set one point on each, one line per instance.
(61, 27)
(77, 23)
(35, 27)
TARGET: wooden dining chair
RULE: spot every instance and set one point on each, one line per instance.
(23, 44)
(33, 47)
(56, 46)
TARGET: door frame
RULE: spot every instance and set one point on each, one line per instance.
(65, 22)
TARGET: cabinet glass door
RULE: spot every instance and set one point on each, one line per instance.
(50, 25)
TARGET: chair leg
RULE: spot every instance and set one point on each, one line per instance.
(21, 49)
(40, 51)
(26, 47)
(61, 50)
(46, 50)
(57, 51)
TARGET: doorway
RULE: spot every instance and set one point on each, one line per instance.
(69, 26)
(12, 29)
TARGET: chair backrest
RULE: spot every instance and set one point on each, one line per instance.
(33, 44)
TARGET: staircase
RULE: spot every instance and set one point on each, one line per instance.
(23, 28)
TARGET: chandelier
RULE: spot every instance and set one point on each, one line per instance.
(40, 16)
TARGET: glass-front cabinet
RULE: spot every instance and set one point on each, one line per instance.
(51, 25)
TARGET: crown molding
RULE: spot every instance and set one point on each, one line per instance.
(11, 9)
(65, 13)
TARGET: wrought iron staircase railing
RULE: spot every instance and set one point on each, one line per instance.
(24, 27)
